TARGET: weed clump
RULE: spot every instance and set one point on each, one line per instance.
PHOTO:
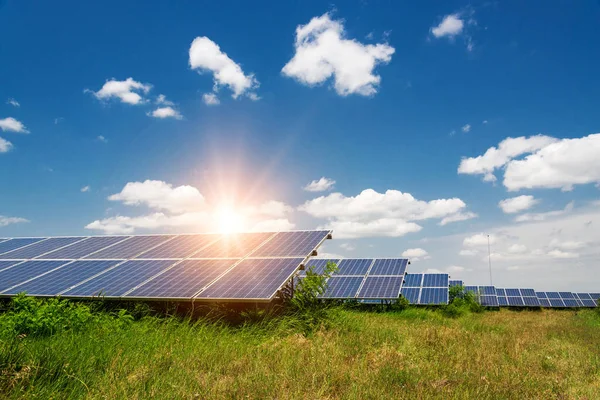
(461, 302)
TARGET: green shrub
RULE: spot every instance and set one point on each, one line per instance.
(461, 302)
(309, 288)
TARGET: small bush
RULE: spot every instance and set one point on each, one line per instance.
(400, 304)
(461, 302)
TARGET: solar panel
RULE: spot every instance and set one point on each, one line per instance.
(342, 287)
(571, 303)
(181, 247)
(474, 289)
(435, 280)
(292, 244)
(318, 264)
(500, 292)
(235, 245)
(502, 301)
(544, 302)
(183, 280)
(553, 295)
(41, 247)
(14, 244)
(584, 296)
(531, 301)
(84, 247)
(411, 294)
(513, 293)
(487, 290)
(489, 301)
(433, 296)
(381, 287)
(389, 266)
(595, 296)
(8, 264)
(541, 295)
(556, 302)
(566, 295)
(25, 271)
(130, 248)
(63, 278)
(413, 280)
(455, 282)
(354, 266)
(515, 301)
(588, 303)
(256, 278)
(528, 293)
(117, 281)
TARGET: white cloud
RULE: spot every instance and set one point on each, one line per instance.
(517, 248)
(128, 91)
(320, 185)
(455, 269)
(347, 246)
(273, 225)
(206, 55)
(127, 225)
(560, 164)
(162, 100)
(85, 189)
(160, 195)
(466, 128)
(468, 252)
(5, 145)
(495, 158)
(562, 254)
(416, 254)
(4, 221)
(461, 216)
(378, 214)
(517, 204)
(210, 99)
(322, 51)
(479, 240)
(452, 25)
(102, 139)
(12, 125)
(13, 103)
(567, 244)
(545, 215)
(485, 121)
(165, 112)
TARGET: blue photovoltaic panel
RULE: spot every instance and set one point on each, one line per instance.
(489, 301)
(291, 244)
(13, 244)
(541, 295)
(130, 247)
(84, 248)
(528, 293)
(531, 301)
(6, 264)
(556, 302)
(182, 246)
(474, 289)
(515, 301)
(544, 302)
(183, 280)
(588, 303)
(502, 301)
(40, 248)
(120, 279)
(500, 292)
(455, 282)
(434, 295)
(381, 287)
(571, 303)
(254, 278)
(584, 296)
(63, 278)
(413, 280)
(319, 264)
(553, 295)
(342, 287)
(27, 270)
(234, 245)
(513, 293)
(435, 280)
(354, 266)
(411, 294)
(566, 295)
(487, 290)
(595, 296)
(389, 266)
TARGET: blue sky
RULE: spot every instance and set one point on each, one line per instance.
(384, 98)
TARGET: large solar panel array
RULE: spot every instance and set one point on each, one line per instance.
(362, 278)
(208, 267)
(426, 289)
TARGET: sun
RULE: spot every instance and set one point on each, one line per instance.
(229, 220)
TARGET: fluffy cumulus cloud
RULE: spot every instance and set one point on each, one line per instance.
(206, 56)
(5, 145)
(450, 26)
(415, 254)
(165, 112)
(479, 240)
(12, 125)
(497, 157)
(322, 51)
(184, 207)
(378, 214)
(127, 91)
(320, 185)
(517, 204)
(210, 99)
(4, 221)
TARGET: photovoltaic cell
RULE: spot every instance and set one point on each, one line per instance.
(528, 293)
(291, 244)
(413, 280)
(354, 266)
(541, 295)
(411, 294)
(544, 302)
(455, 282)
(531, 301)
(389, 266)
(588, 303)
(556, 302)
(84, 248)
(489, 301)
(27, 270)
(253, 279)
(41, 247)
(500, 292)
(183, 280)
(584, 296)
(182, 246)
(6, 264)
(571, 303)
(515, 301)
(342, 287)
(63, 278)
(119, 280)
(513, 292)
(433, 296)
(130, 247)
(566, 295)
(381, 287)
(553, 295)
(487, 290)
(234, 245)
(595, 296)
(13, 244)
(502, 301)
(318, 264)
(474, 289)
(435, 280)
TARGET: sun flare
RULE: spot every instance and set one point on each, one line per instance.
(229, 220)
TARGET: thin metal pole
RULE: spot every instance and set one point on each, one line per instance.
(490, 260)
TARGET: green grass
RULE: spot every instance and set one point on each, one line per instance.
(415, 353)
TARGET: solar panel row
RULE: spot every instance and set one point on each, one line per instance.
(426, 289)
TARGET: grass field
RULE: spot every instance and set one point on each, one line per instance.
(414, 353)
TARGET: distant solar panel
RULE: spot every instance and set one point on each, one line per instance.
(389, 266)
(411, 294)
(13, 244)
(502, 301)
(84, 247)
(434, 296)
(354, 266)
(528, 293)
(291, 244)
(435, 280)
(515, 301)
(413, 280)
(41, 247)
(553, 295)
(433, 288)
(474, 289)
(595, 296)
(570, 303)
(541, 295)
(318, 264)
(513, 293)
(489, 301)
(566, 295)
(381, 287)
(558, 303)
(455, 282)
(500, 292)
(531, 301)
(544, 302)
(342, 287)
